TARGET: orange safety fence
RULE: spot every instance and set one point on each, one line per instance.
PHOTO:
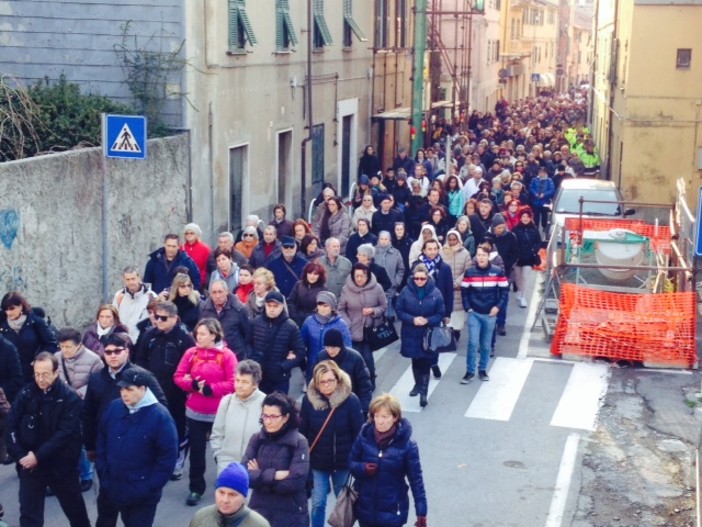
(654, 328)
(659, 236)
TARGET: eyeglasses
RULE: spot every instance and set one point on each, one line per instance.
(328, 381)
(247, 235)
(266, 417)
(188, 233)
(420, 278)
(114, 351)
(185, 286)
(162, 318)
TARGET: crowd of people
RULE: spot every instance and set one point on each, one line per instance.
(201, 346)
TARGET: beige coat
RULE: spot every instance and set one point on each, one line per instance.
(354, 299)
(458, 259)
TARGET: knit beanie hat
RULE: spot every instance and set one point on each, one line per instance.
(333, 338)
(363, 180)
(497, 219)
(328, 298)
(234, 477)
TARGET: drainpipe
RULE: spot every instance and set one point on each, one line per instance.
(308, 93)
(420, 44)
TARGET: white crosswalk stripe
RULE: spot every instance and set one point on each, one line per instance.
(404, 385)
(496, 399)
(582, 397)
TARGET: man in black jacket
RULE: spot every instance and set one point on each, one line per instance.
(276, 344)
(160, 352)
(231, 314)
(10, 384)
(103, 389)
(44, 433)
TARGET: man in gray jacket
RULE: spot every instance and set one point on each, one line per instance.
(238, 416)
(338, 267)
(390, 259)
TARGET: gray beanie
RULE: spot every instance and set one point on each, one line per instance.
(328, 298)
(498, 219)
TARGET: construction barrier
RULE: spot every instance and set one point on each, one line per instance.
(656, 329)
(658, 234)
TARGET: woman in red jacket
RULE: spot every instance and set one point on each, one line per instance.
(206, 373)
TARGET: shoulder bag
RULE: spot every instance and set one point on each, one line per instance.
(439, 338)
(380, 336)
(343, 514)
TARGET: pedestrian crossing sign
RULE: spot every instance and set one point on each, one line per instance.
(124, 136)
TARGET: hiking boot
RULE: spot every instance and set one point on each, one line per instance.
(467, 378)
(193, 499)
(436, 371)
(415, 391)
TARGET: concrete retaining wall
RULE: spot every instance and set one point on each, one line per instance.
(51, 223)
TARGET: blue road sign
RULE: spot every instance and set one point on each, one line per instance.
(535, 77)
(124, 136)
(698, 230)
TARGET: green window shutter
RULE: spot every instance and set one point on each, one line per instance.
(348, 19)
(246, 23)
(321, 23)
(233, 25)
(283, 26)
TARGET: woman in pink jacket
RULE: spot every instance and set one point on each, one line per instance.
(206, 373)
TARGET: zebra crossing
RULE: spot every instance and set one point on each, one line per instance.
(578, 407)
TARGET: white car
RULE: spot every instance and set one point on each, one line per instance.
(566, 203)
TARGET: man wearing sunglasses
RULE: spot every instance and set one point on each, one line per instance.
(160, 352)
(102, 390)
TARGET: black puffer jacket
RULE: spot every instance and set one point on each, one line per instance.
(160, 353)
(528, 243)
(271, 340)
(34, 336)
(282, 502)
(102, 390)
(333, 448)
(47, 424)
(350, 361)
(235, 324)
(10, 369)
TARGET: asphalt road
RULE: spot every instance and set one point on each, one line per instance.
(543, 443)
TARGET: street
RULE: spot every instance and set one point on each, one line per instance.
(545, 442)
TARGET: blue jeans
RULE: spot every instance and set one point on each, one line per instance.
(480, 330)
(85, 467)
(321, 489)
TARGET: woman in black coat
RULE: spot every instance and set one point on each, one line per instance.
(369, 164)
(330, 391)
(277, 460)
(402, 241)
(419, 307)
(302, 300)
(384, 460)
(29, 333)
(528, 244)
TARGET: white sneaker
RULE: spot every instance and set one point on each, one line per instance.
(519, 295)
(522, 302)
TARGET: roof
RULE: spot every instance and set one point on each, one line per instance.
(587, 184)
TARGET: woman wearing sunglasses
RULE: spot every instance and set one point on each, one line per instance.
(420, 306)
(186, 299)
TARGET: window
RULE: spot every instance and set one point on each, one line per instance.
(381, 24)
(401, 20)
(240, 30)
(322, 36)
(497, 50)
(350, 26)
(551, 16)
(684, 58)
(498, 4)
(285, 36)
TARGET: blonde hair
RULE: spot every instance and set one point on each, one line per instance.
(387, 401)
(327, 366)
(264, 273)
(181, 279)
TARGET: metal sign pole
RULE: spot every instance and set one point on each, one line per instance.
(105, 211)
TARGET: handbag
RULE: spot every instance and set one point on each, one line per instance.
(343, 514)
(380, 336)
(438, 338)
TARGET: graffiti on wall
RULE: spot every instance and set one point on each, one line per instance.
(9, 226)
(12, 280)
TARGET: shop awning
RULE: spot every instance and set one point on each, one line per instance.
(398, 114)
(547, 80)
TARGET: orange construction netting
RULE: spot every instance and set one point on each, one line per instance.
(653, 328)
(659, 236)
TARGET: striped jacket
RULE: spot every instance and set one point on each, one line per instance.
(484, 288)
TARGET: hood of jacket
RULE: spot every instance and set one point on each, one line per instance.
(149, 399)
(356, 289)
(458, 247)
(341, 393)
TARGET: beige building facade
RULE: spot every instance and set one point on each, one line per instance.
(250, 103)
(647, 96)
